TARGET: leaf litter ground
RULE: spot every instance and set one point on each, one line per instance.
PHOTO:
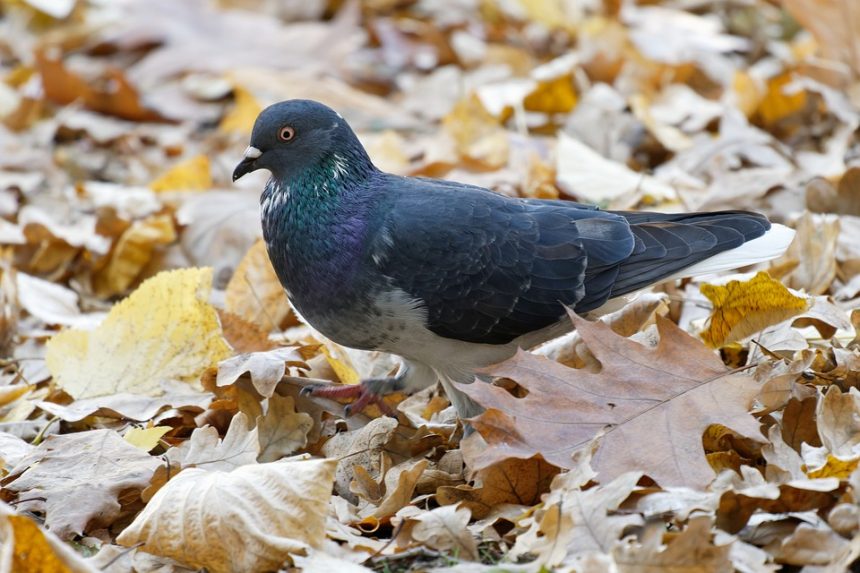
(150, 407)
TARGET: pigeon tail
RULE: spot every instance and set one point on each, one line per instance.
(670, 246)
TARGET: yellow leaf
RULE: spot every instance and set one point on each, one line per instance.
(744, 308)
(553, 96)
(748, 95)
(243, 114)
(190, 175)
(344, 371)
(479, 139)
(165, 330)
(777, 104)
(32, 551)
(834, 467)
(255, 294)
(550, 13)
(132, 253)
(146, 438)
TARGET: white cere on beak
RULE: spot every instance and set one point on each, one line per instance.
(252, 153)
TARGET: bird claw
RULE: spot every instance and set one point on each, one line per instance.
(368, 392)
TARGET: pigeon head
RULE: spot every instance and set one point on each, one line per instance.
(294, 136)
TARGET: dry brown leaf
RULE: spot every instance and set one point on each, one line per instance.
(510, 481)
(282, 430)
(652, 406)
(691, 550)
(443, 529)
(249, 519)
(838, 421)
(831, 23)
(363, 447)
(744, 308)
(266, 368)
(255, 293)
(75, 479)
(400, 482)
(205, 449)
(814, 247)
(575, 521)
(65, 87)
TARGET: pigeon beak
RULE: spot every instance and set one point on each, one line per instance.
(248, 163)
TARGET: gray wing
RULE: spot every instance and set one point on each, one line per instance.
(489, 268)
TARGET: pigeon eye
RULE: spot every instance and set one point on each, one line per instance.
(286, 133)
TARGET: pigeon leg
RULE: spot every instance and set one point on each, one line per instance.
(411, 378)
(370, 391)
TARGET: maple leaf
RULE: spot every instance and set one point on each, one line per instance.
(651, 404)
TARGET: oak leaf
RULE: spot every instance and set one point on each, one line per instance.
(574, 521)
(651, 404)
(205, 449)
(742, 308)
(76, 478)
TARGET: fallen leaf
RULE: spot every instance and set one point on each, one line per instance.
(575, 521)
(255, 293)
(165, 330)
(266, 368)
(814, 247)
(590, 177)
(363, 447)
(837, 418)
(249, 519)
(514, 481)
(442, 529)
(282, 430)
(479, 139)
(123, 405)
(28, 547)
(193, 174)
(830, 22)
(133, 251)
(146, 438)
(52, 303)
(691, 550)
(241, 117)
(742, 308)
(120, 99)
(652, 414)
(205, 449)
(75, 479)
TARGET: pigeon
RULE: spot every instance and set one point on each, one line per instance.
(451, 277)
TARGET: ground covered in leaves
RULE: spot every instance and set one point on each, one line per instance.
(150, 415)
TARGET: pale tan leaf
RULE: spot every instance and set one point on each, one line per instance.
(204, 449)
(76, 478)
(249, 519)
(282, 430)
(575, 521)
(692, 550)
(266, 368)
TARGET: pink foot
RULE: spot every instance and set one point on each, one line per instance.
(372, 391)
